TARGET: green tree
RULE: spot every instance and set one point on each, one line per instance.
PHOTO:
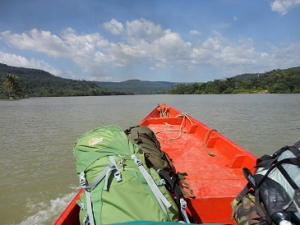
(212, 88)
(12, 85)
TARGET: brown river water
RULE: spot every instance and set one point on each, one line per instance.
(37, 166)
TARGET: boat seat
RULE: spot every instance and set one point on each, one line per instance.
(192, 129)
(237, 162)
(165, 120)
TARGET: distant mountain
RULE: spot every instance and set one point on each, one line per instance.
(39, 83)
(138, 86)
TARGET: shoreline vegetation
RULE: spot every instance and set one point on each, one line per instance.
(18, 83)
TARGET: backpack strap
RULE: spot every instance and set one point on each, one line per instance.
(88, 187)
(117, 173)
(273, 163)
(182, 204)
(155, 190)
(258, 207)
(184, 184)
(250, 187)
(293, 161)
(295, 150)
(268, 160)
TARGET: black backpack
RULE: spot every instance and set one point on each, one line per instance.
(145, 138)
(276, 186)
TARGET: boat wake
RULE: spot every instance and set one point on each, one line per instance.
(48, 211)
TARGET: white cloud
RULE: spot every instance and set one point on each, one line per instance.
(88, 51)
(229, 56)
(170, 48)
(39, 41)
(235, 18)
(194, 32)
(207, 50)
(124, 54)
(143, 30)
(19, 61)
(285, 56)
(114, 27)
(282, 6)
(144, 43)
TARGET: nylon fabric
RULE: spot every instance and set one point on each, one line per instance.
(158, 195)
(123, 194)
(155, 158)
(245, 213)
(276, 184)
(146, 139)
(100, 142)
(281, 187)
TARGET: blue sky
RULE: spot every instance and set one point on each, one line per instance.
(157, 40)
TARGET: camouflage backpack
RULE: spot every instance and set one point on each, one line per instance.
(245, 212)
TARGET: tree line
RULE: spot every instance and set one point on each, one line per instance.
(22, 82)
(138, 86)
(18, 82)
(14, 88)
(275, 81)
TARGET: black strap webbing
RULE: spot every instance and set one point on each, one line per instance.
(287, 177)
(293, 161)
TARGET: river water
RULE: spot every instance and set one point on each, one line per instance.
(37, 166)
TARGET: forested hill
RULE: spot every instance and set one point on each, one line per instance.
(138, 86)
(38, 83)
(275, 81)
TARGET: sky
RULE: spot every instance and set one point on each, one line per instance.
(154, 40)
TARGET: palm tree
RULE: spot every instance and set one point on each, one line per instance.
(12, 85)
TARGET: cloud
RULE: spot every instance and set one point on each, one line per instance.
(143, 43)
(282, 6)
(88, 51)
(143, 30)
(19, 61)
(228, 55)
(170, 48)
(284, 56)
(194, 32)
(146, 42)
(114, 27)
(39, 41)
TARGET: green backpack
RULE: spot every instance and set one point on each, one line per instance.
(118, 187)
(155, 158)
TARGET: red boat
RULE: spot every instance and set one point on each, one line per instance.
(213, 164)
